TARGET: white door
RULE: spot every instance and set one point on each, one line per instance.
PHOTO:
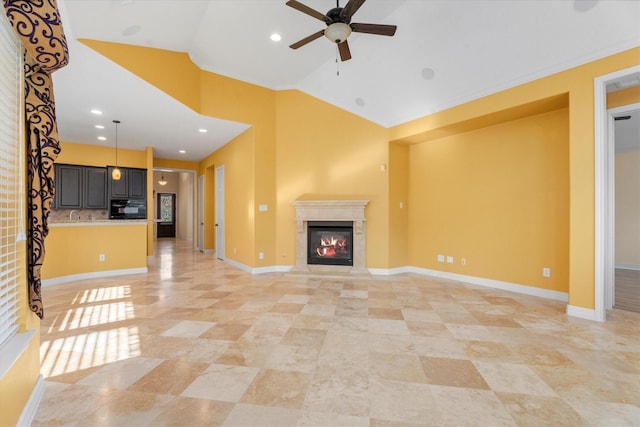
(220, 212)
(201, 213)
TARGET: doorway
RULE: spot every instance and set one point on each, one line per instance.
(604, 209)
(626, 205)
(166, 209)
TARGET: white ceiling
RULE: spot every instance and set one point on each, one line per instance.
(444, 53)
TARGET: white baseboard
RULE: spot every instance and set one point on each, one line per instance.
(628, 266)
(582, 313)
(29, 411)
(93, 275)
(490, 283)
(389, 271)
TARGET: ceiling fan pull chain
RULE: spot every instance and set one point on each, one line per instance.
(337, 61)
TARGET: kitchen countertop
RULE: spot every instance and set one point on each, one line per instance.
(83, 223)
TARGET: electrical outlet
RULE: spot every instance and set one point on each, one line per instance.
(101, 257)
(546, 272)
(261, 255)
(440, 258)
(449, 260)
(463, 261)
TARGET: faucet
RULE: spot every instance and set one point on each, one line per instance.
(71, 215)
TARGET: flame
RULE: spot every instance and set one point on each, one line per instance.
(331, 246)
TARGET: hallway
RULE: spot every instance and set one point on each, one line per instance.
(198, 342)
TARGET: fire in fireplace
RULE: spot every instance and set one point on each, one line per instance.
(330, 242)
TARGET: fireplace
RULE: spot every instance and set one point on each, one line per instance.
(330, 242)
(333, 217)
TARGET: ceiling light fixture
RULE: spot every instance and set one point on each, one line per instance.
(182, 151)
(102, 138)
(337, 32)
(162, 181)
(96, 112)
(202, 130)
(115, 173)
(132, 30)
(99, 127)
(276, 37)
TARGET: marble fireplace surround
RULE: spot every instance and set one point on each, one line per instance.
(331, 210)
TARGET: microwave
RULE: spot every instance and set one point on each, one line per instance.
(128, 209)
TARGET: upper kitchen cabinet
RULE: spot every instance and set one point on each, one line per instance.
(137, 183)
(95, 188)
(131, 185)
(68, 181)
(80, 187)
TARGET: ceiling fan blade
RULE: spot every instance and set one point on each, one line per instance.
(307, 39)
(345, 53)
(306, 9)
(379, 29)
(351, 8)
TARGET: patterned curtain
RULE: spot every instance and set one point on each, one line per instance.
(37, 23)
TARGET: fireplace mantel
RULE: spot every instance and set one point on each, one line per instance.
(331, 210)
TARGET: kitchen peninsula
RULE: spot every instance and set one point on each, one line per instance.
(81, 249)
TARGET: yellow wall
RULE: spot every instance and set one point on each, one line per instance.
(329, 153)
(398, 205)
(623, 97)
(95, 155)
(578, 84)
(237, 157)
(496, 196)
(627, 210)
(76, 249)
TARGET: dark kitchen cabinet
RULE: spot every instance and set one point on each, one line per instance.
(131, 185)
(137, 183)
(118, 189)
(68, 181)
(95, 188)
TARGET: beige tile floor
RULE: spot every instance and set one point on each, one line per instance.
(196, 342)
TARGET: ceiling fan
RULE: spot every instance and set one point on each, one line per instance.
(339, 25)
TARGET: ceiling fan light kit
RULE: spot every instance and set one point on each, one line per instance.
(339, 26)
(337, 32)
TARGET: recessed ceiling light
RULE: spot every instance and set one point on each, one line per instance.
(99, 127)
(276, 37)
(202, 130)
(428, 73)
(584, 5)
(96, 112)
(131, 30)
(102, 138)
(182, 151)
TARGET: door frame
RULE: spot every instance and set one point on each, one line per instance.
(220, 212)
(200, 218)
(604, 197)
(194, 210)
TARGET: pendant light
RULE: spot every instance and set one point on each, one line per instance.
(162, 181)
(115, 173)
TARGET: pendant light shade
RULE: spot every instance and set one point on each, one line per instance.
(162, 181)
(115, 173)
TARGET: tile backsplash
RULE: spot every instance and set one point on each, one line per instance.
(66, 215)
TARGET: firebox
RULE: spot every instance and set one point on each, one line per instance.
(330, 242)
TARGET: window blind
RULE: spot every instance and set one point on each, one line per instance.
(12, 261)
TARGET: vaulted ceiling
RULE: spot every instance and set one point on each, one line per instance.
(444, 53)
